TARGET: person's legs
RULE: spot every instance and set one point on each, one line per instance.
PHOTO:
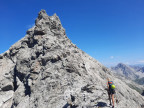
(113, 99)
(110, 98)
(109, 95)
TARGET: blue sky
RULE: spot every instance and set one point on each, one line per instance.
(111, 31)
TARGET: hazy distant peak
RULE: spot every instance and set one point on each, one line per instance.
(122, 65)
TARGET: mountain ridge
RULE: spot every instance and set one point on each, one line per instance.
(45, 69)
(129, 71)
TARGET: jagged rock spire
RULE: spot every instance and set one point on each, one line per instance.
(42, 14)
(45, 24)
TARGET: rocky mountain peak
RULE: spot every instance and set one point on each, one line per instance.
(122, 65)
(45, 24)
(42, 15)
(125, 70)
(46, 70)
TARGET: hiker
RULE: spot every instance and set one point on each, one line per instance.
(111, 91)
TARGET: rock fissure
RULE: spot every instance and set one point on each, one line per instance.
(14, 80)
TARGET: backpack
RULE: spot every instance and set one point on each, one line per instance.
(111, 85)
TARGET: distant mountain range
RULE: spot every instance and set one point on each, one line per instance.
(138, 68)
(131, 72)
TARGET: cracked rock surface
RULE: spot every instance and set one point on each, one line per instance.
(46, 70)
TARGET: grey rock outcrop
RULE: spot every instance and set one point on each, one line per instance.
(46, 70)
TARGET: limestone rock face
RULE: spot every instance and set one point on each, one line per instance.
(46, 70)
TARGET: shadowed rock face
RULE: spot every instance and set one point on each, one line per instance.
(46, 70)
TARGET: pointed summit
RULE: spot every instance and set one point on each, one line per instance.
(45, 24)
(46, 70)
(42, 14)
(122, 65)
(125, 70)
